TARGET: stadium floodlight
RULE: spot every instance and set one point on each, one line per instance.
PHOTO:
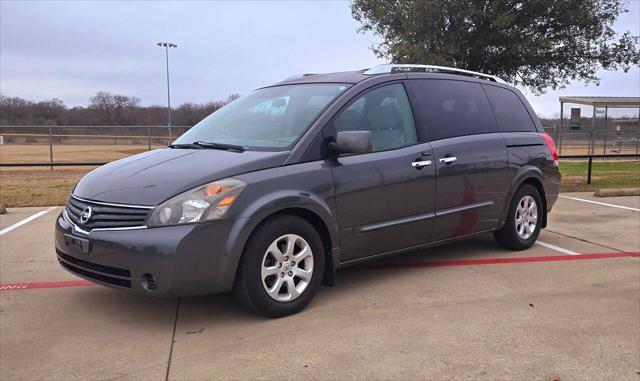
(166, 46)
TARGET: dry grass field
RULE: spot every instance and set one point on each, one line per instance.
(30, 153)
(38, 186)
(42, 187)
(25, 153)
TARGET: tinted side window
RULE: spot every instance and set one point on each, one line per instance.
(453, 108)
(385, 112)
(510, 113)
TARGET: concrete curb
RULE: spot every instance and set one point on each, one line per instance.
(617, 192)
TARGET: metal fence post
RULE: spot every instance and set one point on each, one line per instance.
(51, 148)
(589, 170)
(593, 129)
(606, 110)
(638, 138)
(560, 135)
(148, 138)
(638, 135)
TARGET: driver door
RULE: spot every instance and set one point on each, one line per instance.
(384, 200)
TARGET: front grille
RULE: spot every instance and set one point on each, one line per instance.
(106, 216)
(106, 274)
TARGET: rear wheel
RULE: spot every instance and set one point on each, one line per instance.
(281, 267)
(522, 227)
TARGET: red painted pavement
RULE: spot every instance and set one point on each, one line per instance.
(464, 262)
(495, 261)
(28, 286)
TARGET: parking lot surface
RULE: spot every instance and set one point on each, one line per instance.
(568, 308)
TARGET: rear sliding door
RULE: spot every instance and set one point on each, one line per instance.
(469, 154)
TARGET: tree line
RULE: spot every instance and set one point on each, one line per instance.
(104, 109)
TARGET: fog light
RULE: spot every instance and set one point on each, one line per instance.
(149, 282)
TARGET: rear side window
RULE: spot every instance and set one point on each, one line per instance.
(453, 108)
(385, 112)
(511, 114)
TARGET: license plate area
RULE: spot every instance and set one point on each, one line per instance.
(81, 244)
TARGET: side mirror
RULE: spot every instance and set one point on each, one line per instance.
(349, 142)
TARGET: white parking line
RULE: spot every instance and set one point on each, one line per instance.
(25, 221)
(556, 248)
(602, 203)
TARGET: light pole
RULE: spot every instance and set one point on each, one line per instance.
(166, 46)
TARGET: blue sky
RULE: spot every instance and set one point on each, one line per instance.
(71, 50)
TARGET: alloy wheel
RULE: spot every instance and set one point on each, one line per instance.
(526, 217)
(287, 267)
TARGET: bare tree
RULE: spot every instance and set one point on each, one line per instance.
(104, 109)
(50, 111)
(114, 109)
(14, 110)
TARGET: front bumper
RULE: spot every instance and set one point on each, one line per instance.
(184, 259)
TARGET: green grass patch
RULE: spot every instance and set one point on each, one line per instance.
(605, 174)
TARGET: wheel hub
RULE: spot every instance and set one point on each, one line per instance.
(287, 267)
(526, 217)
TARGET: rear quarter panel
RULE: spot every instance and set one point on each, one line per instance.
(529, 157)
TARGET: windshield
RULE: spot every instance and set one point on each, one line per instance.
(269, 118)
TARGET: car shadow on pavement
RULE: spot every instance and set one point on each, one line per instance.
(222, 308)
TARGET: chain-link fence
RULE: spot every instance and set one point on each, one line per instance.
(621, 138)
(94, 145)
(78, 145)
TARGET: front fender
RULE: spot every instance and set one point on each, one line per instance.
(277, 202)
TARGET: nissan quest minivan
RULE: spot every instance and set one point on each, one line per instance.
(271, 194)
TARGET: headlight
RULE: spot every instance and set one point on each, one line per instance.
(204, 203)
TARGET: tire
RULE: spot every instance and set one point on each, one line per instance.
(518, 233)
(266, 264)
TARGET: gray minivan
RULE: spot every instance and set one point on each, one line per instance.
(271, 194)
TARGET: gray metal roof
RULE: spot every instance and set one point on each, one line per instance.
(341, 77)
(614, 102)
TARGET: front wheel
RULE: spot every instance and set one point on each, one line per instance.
(522, 227)
(281, 267)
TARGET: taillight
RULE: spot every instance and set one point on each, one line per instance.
(551, 145)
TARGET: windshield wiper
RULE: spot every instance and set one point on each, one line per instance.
(208, 145)
(212, 145)
(192, 146)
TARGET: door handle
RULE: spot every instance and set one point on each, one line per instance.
(448, 160)
(420, 164)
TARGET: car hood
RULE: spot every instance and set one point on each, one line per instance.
(152, 177)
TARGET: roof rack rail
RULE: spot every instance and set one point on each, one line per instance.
(409, 68)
